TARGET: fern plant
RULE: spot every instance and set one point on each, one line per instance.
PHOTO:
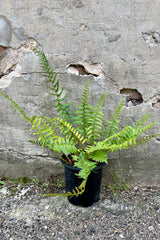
(82, 134)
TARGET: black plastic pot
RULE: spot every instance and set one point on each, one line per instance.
(92, 189)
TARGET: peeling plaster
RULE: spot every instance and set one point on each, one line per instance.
(133, 97)
(10, 66)
(1, 51)
(155, 101)
(85, 68)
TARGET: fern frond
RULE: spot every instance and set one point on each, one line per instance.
(62, 110)
(142, 120)
(112, 126)
(145, 139)
(60, 145)
(86, 167)
(65, 146)
(16, 107)
(129, 136)
(45, 127)
(125, 139)
(96, 120)
(75, 192)
(99, 156)
(67, 129)
(48, 129)
(84, 113)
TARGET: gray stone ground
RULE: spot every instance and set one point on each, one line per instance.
(132, 215)
(115, 43)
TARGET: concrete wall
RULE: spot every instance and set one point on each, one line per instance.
(115, 43)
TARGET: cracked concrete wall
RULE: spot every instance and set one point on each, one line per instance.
(115, 43)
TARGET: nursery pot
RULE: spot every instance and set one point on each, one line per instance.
(92, 189)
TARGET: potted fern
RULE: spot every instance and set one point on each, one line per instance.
(81, 136)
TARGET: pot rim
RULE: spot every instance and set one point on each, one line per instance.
(78, 169)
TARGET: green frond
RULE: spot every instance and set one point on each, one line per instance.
(50, 129)
(145, 139)
(75, 192)
(82, 116)
(68, 130)
(16, 107)
(96, 120)
(65, 146)
(47, 143)
(128, 137)
(112, 126)
(85, 93)
(45, 127)
(54, 86)
(86, 166)
(142, 120)
(99, 156)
